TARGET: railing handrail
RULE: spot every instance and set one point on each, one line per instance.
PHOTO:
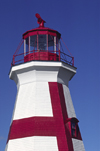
(60, 56)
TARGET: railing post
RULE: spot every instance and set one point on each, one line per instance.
(47, 41)
(24, 47)
(59, 48)
(37, 42)
(59, 54)
(54, 44)
(72, 61)
(13, 59)
(29, 45)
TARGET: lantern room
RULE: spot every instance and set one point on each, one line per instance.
(41, 44)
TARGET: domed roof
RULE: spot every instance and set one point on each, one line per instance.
(41, 30)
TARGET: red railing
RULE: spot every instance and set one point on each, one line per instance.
(46, 55)
(42, 55)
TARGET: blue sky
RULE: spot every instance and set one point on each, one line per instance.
(78, 22)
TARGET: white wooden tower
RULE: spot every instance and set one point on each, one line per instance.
(43, 118)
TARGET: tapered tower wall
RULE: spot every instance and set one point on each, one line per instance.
(42, 109)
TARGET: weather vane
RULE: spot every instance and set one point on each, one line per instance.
(40, 21)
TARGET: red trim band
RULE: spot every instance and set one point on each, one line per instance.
(34, 126)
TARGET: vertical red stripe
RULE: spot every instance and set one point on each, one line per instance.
(60, 116)
(65, 116)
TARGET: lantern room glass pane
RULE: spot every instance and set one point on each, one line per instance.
(27, 45)
(33, 43)
(42, 43)
(50, 43)
(57, 44)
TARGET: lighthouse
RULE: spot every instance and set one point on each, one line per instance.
(44, 117)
